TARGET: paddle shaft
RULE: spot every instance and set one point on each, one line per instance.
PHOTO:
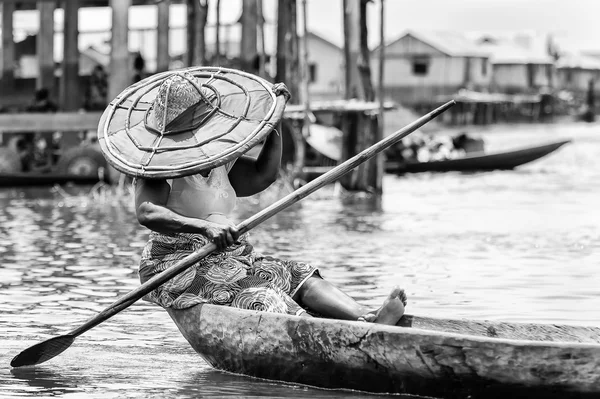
(248, 224)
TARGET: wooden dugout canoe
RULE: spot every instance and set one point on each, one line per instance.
(504, 160)
(423, 356)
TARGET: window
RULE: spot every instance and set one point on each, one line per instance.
(569, 76)
(312, 73)
(420, 66)
(484, 66)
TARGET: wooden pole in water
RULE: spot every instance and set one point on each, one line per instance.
(8, 47)
(262, 52)
(162, 36)
(360, 130)
(190, 31)
(120, 74)
(351, 46)
(249, 42)
(287, 47)
(304, 70)
(287, 61)
(69, 93)
(201, 16)
(380, 159)
(45, 46)
(218, 35)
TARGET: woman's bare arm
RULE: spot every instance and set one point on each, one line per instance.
(150, 206)
(249, 177)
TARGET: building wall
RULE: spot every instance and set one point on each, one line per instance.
(445, 75)
(406, 82)
(328, 64)
(517, 78)
(576, 79)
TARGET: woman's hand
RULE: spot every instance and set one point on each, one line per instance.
(222, 235)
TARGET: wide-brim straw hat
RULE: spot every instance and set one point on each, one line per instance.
(179, 123)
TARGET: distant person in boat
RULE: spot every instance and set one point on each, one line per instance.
(42, 102)
(96, 95)
(186, 213)
(34, 151)
(467, 144)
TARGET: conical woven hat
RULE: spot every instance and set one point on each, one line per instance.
(175, 124)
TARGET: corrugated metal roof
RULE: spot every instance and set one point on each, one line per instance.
(578, 61)
(453, 44)
(511, 53)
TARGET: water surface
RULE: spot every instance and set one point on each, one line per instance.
(517, 245)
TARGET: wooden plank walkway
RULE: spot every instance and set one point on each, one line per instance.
(44, 122)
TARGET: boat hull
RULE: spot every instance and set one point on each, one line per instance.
(375, 358)
(479, 162)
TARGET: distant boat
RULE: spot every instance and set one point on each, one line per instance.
(475, 162)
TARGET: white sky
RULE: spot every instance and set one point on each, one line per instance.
(575, 23)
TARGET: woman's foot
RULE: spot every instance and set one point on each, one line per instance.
(391, 311)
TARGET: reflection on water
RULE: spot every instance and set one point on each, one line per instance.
(512, 245)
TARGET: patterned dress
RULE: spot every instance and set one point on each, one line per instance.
(237, 276)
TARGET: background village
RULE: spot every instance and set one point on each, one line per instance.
(49, 64)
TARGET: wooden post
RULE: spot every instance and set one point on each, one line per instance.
(287, 48)
(162, 36)
(201, 16)
(8, 47)
(262, 53)
(217, 55)
(351, 20)
(197, 13)
(69, 85)
(45, 46)
(120, 75)
(303, 56)
(249, 46)
(380, 160)
(361, 130)
(190, 32)
(287, 61)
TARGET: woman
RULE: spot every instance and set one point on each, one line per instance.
(186, 213)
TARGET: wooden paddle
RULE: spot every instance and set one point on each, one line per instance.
(48, 349)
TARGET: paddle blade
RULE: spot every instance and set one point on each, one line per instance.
(42, 352)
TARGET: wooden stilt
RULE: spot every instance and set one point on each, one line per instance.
(358, 85)
(70, 97)
(262, 52)
(162, 36)
(380, 158)
(190, 32)
(288, 69)
(287, 47)
(8, 47)
(121, 69)
(351, 47)
(45, 46)
(249, 42)
(303, 55)
(201, 16)
(217, 55)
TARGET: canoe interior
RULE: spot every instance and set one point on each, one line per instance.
(504, 330)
